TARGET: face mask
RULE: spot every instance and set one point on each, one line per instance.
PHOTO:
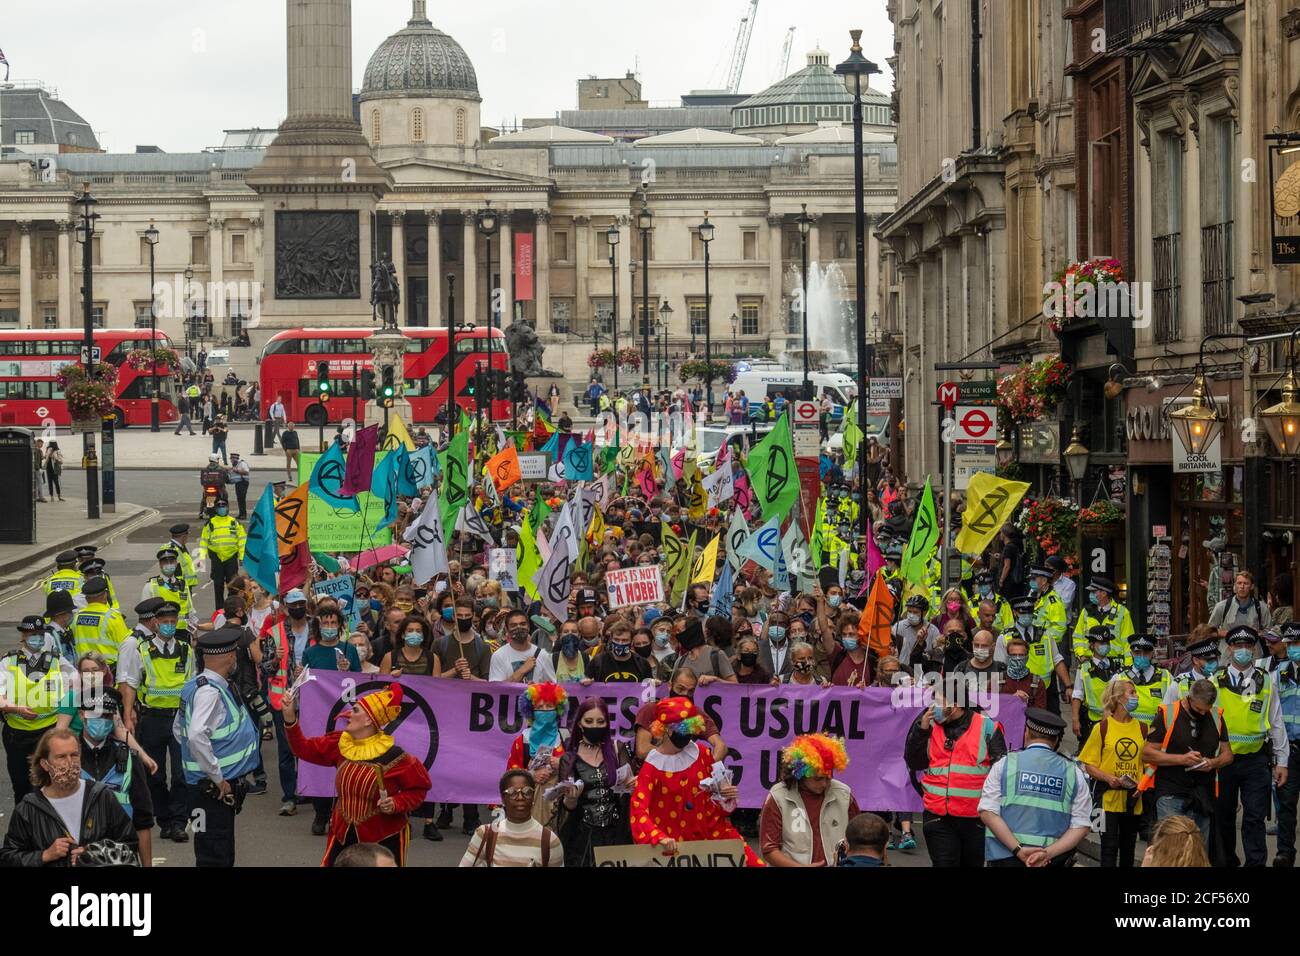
(376, 604)
(1017, 667)
(65, 776)
(953, 607)
(807, 618)
(986, 590)
(680, 740)
(569, 645)
(982, 653)
(1101, 650)
(642, 650)
(1209, 667)
(297, 613)
(1092, 597)
(913, 619)
(1131, 705)
(1033, 586)
(661, 638)
(465, 625)
(223, 511)
(35, 641)
(749, 660)
(519, 635)
(595, 735)
(167, 630)
(545, 720)
(414, 638)
(329, 633)
(1243, 656)
(621, 651)
(168, 570)
(1025, 619)
(590, 642)
(489, 602)
(1141, 663)
(1293, 652)
(776, 633)
(834, 600)
(937, 713)
(448, 613)
(98, 728)
(803, 667)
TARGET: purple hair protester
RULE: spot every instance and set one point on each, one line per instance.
(595, 776)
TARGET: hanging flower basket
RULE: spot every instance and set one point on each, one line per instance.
(629, 358)
(1050, 525)
(601, 358)
(1075, 279)
(142, 360)
(1104, 519)
(89, 396)
(724, 372)
(1028, 393)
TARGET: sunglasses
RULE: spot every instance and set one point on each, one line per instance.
(518, 792)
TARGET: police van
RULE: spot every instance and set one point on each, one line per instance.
(760, 382)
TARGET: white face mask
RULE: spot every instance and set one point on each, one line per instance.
(982, 653)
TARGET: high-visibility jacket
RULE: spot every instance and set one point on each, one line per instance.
(1288, 692)
(1246, 715)
(223, 538)
(65, 579)
(186, 565)
(97, 627)
(1051, 615)
(176, 591)
(1095, 677)
(954, 779)
(234, 742)
(1038, 787)
(42, 695)
(1149, 695)
(118, 778)
(1116, 618)
(1041, 659)
(280, 679)
(162, 675)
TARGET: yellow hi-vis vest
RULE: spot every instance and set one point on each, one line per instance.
(63, 580)
(186, 566)
(97, 627)
(163, 675)
(223, 537)
(180, 596)
(42, 695)
(1246, 715)
(1150, 696)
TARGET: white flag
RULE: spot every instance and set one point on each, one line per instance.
(564, 536)
(428, 545)
(604, 486)
(471, 522)
(720, 486)
(797, 556)
(543, 546)
(553, 583)
(737, 535)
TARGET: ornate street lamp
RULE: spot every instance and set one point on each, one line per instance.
(735, 330)
(151, 237)
(487, 225)
(645, 221)
(663, 328)
(86, 231)
(612, 237)
(1282, 421)
(706, 237)
(1076, 457)
(805, 222)
(1199, 422)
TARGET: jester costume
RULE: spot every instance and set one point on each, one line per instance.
(363, 769)
(667, 801)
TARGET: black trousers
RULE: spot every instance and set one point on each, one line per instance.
(953, 841)
(1119, 839)
(222, 571)
(241, 496)
(19, 747)
(1247, 779)
(167, 784)
(1287, 798)
(214, 828)
(1011, 862)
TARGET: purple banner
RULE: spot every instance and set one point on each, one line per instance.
(463, 730)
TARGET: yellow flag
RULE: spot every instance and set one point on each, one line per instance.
(707, 563)
(397, 435)
(990, 502)
(597, 530)
(698, 502)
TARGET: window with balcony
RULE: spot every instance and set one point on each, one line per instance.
(1168, 157)
(1217, 227)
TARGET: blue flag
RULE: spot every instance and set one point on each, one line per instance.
(383, 484)
(553, 445)
(406, 477)
(764, 545)
(722, 593)
(421, 468)
(327, 479)
(262, 549)
(577, 462)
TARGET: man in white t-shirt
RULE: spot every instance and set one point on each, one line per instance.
(520, 661)
(278, 417)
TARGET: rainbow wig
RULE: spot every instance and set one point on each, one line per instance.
(815, 755)
(546, 693)
(677, 715)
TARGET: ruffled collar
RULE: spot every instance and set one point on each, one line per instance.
(674, 763)
(366, 749)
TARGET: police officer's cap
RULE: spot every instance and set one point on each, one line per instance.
(57, 602)
(1140, 641)
(67, 558)
(168, 552)
(167, 609)
(1040, 571)
(181, 528)
(92, 566)
(85, 550)
(105, 703)
(917, 600)
(221, 641)
(1242, 634)
(32, 624)
(1206, 648)
(1290, 631)
(1022, 603)
(95, 585)
(147, 609)
(1098, 633)
(1044, 722)
(1102, 584)
(984, 577)
(1272, 635)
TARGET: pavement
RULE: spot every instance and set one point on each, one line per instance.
(61, 525)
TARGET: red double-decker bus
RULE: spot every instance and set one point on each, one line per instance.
(290, 360)
(30, 360)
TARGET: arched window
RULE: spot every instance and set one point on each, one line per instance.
(417, 125)
(460, 127)
(376, 127)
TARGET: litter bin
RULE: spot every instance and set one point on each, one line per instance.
(18, 478)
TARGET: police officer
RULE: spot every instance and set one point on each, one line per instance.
(108, 761)
(1101, 608)
(1287, 673)
(1252, 711)
(1090, 683)
(1036, 803)
(1205, 664)
(222, 543)
(151, 674)
(169, 584)
(1150, 682)
(1049, 610)
(180, 533)
(146, 626)
(97, 627)
(219, 744)
(94, 567)
(1044, 655)
(59, 610)
(1003, 618)
(66, 577)
(33, 679)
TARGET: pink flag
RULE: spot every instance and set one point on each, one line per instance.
(360, 463)
(646, 479)
(679, 462)
(743, 494)
(724, 456)
(875, 560)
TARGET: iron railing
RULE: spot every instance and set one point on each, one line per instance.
(1134, 25)
(1216, 279)
(1165, 288)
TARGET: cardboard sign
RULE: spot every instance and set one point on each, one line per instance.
(503, 567)
(632, 586)
(703, 854)
(533, 465)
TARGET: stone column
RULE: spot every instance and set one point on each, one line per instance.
(582, 300)
(469, 277)
(874, 301)
(399, 263)
(507, 268)
(259, 271)
(217, 274)
(776, 276)
(65, 273)
(814, 240)
(25, 274)
(434, 257)
(320, 61)
(625, 293)
(542, 269)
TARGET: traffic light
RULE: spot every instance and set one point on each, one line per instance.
(323, 380)
(501, 384)
(519, 389)
(388, 390)
(471, 384)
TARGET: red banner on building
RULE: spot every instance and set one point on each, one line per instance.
(523, 266)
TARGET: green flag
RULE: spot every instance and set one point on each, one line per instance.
(924, 539)
(539, 511)
(326, 562)
(455, 478)
(530, 558)
(465, 423)
(852, 435)
(815, 545)
(674, 555)
(684, 575)
(772, 472)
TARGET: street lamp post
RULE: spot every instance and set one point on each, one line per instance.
(661, 354)
(612, 237)
(487, 225)
(706, 237)
(663, 328)
(644, 222)
(151, 237)
(189, 319)
(451, 355)
(858, 66)
(805, 227)
(735, 329)
(90, 462)
(1076, 460)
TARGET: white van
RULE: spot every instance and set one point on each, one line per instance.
(759, 383)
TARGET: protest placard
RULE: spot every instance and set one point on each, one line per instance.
(708, 854)
(503, 567)
(630, 586)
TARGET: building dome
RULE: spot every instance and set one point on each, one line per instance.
(35, 119)
(419, 61)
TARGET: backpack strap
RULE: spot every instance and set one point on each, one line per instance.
(490, 844)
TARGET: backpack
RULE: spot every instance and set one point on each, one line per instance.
(490, 845)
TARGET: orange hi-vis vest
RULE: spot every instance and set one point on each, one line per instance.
(955, 778)
(279, 681)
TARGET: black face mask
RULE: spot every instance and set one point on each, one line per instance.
(680, 740)
(643, 650)
(595, 735)
(749, 660)
(465, 626)
(297, 613)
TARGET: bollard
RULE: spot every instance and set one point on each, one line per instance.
(258, 447)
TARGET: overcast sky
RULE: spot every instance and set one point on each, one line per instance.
(175, 73)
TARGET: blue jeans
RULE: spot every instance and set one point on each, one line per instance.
(288, 768)
(1181, 806)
